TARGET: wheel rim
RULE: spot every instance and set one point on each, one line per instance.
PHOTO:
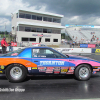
(16, 72)
(83, 72)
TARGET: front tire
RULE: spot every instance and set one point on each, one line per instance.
(16, 73)
(83, 72)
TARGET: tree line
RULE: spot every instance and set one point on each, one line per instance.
(64, 36)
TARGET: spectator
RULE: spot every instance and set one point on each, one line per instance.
(97, 38)
(4, 45)
(70, 44)
(73, 43)
(10, 46)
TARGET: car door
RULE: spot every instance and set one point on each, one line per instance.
(49, 61)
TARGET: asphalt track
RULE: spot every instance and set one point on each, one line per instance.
(52, 87)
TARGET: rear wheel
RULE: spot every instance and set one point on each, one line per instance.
(16, 73)
(83, 72)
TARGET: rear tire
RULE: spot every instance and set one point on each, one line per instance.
(83, 72)
(16, 73)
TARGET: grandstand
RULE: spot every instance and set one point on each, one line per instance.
(82, 34)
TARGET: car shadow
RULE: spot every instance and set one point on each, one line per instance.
(49, 77)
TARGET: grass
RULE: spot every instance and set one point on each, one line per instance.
(53, 46)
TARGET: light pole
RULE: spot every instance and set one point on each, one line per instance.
(5, 30)
(11, 26)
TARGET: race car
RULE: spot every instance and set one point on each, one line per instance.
(18, 64)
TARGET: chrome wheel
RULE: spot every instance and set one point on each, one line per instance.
(16, 72)
(83, 72)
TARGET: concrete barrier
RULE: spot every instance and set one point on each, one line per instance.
(67, 50)
(74, 50)
(14, 48)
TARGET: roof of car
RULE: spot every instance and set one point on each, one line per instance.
(40, 47)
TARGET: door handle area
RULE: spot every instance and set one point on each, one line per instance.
(36, 61)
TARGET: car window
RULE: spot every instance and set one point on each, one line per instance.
(14, 53)
(46, 53)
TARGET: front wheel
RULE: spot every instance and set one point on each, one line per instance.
(16, 73)
(83, 72)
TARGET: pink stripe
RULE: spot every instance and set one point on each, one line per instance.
(77, 62)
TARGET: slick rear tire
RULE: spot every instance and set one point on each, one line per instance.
(83, 72)
(16, 73)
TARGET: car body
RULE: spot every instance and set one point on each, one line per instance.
(45, 60)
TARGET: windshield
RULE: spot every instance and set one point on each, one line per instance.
(14, 53)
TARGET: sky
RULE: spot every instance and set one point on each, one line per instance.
(80, 12)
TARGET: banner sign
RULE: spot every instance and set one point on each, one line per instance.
(91, 45)
(14, 44)
(41, 35)
(83, 26)
(74, 50)
(35, 43)
(95, 50)
(83, 45)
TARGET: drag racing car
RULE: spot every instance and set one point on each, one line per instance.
(18, 64)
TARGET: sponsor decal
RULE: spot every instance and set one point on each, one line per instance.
(70, 73)
(42, 56)
(83, 45)
(29, 68)
(41, 70)
(28, 63)
(34, 67)
(49, 71)
(91, 45)
(52, 63)
(41, 67)
(35, 55)
(59, 50)
(82, 50)
(50, 67)
(85, 61)
(57, 69)
(56, 72)
(72, 60)
(64, 67)
(2, 67)
(1, 72)
(96, 69)
(35, 51)
(71, 68)
(97, 51)
(66, 49)
(14, 54)
(41, 35)
(64, 70)
(94, 72)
